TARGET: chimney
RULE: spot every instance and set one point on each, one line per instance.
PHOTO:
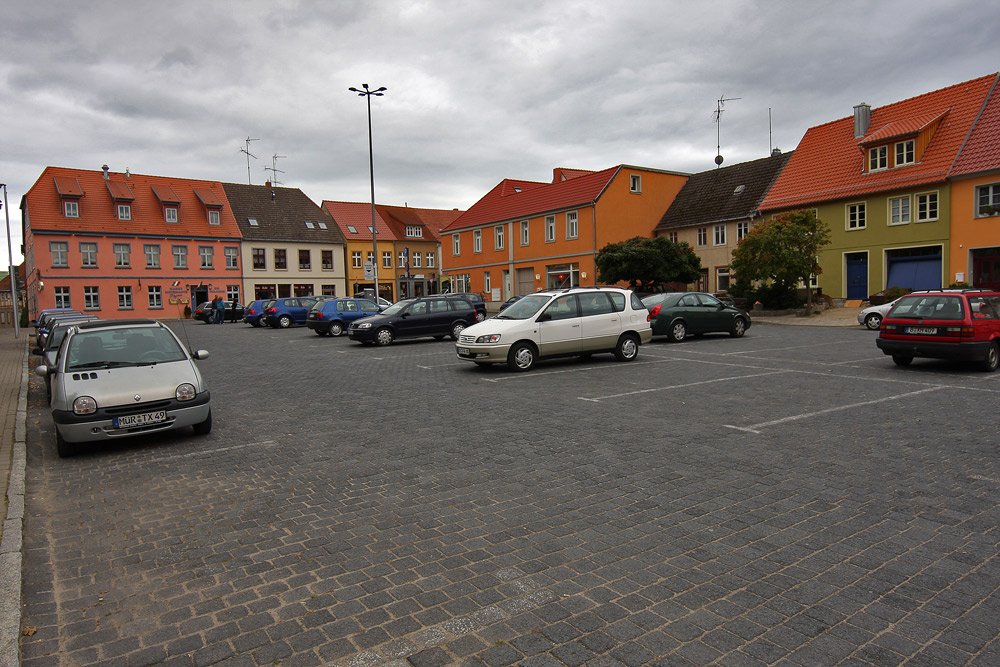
(862, 119)
(775, 151)
(105, 170)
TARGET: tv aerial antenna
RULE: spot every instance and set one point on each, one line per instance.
(717, 117)
(249, 155)
(274, 169)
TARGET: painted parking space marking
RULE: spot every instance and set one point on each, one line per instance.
(755, 428)
(598, 399)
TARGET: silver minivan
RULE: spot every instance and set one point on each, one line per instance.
(579, 321)
(120, 378)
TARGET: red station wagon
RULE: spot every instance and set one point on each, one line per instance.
(944, 324)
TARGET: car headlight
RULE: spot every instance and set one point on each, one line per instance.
(491, 338)
(364, 325)
(185, 392)
(84, 405)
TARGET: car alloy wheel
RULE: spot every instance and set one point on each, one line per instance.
(457, 329)
(739, 328)
(627, 348)
(521, 357)
(678, 330)
(284, 321)
(384, 336)
(873, 321)
(992, 358)
(336, 328)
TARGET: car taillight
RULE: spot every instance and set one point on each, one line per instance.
(272, 310)
(319, 315)
(656, 310)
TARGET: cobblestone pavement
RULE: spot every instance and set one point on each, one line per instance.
(789, 498)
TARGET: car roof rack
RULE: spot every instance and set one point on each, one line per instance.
(104, 324)
(954, 290)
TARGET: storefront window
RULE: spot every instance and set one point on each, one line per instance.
(561, 276)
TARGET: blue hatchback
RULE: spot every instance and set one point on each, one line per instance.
(254, 312)
(331, 317)
(285, 312)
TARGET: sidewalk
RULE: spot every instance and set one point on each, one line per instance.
(831, 317)
(13, 413)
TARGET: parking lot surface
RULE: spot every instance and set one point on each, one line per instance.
(787, 498)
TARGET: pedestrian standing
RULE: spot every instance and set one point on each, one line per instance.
(233, 314)
(220, 310)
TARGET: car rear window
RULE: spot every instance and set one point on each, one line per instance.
(931, 306)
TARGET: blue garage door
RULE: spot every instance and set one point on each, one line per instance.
(914, 269)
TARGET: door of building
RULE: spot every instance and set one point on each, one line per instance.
(856, 270)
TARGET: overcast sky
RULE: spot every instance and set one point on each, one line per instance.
(477, 91)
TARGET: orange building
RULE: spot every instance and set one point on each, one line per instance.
(523, 236)
(975, 202)
(127, 245)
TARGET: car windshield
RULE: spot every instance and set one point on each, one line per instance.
(397, 307)
(930, 306)
(524, 308)
(122, 346)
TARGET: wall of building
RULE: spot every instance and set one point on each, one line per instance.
(293, 280)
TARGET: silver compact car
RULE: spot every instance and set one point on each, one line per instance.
(120, 378)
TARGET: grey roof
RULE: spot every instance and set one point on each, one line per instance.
(717, 196)
(282, 214)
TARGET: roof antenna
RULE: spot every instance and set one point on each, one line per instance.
(717, 117)
(274, 169)
(249, 155)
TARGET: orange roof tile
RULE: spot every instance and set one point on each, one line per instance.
(98, 213)
(348, 214)
(828, 163)
(900, 128)
(982, 151)
(510, 200)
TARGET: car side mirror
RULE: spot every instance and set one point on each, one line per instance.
(44, 371)
(200, 354)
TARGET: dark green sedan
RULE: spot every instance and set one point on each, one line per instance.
(677, 314)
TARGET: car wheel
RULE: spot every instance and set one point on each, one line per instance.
(205, 427)
(900, 360)
(284, 321)
(384, 336)
(480, 317)
(64, 448)
(456, 330)
(336, 328)
(255, 324)
(739, 328)
(320, 332)
(677, 332)
(992, 359)
(873, 321)
(627, 348)
(522, 357)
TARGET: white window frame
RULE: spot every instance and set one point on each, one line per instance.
(878, 158)
(719, 235)
(206, 254)
(672, 237)
(498, 237)
(477, 240)
(386, 259)
(992, 198)
(124, 211)
(154, 293)
(152, 253)
(635, 183)
(487, 283)
(902, 215)
(908, 149)
(525, 233)
(123, 255)
(456, 245)
(180, 253)
(418, 258)
(59, 252)
(924, 200)
(71, 209)
(742, 229)
(856, 217)
(170, 214)
(414, 232)
(550, 229)
(356, 259)
(88, 254)
(402, 259)
(232, 257)
(572, 225)
(92, 297)
(720, 272)
(702, 237)
(61, 296)
(214, 218)
(370, 257)
(430, 260)
(124, 297)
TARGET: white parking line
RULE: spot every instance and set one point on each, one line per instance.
(755, 428)
(598, 399)
(535, 374)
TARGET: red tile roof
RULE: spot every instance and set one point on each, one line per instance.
(359, 216)
(829, 163)
(900, 128)
(98, 213)
(982, 150)
(510, 199)
(428, 219)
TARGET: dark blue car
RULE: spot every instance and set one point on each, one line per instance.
(287, 311)
(254, 312)
(333, 316)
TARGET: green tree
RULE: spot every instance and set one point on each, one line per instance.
(782, 251)
(646, 263)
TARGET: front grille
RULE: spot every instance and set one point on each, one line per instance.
(468, 340)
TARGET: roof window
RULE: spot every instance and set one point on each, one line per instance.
(310, 225)
(253, 222)
(739, 189)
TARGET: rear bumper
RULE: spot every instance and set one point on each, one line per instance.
(965, 351)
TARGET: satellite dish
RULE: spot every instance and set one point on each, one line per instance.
(718, 159)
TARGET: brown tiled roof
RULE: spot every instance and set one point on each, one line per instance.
(281, 214)
(717, 195)
(829, 162)
(432, 221)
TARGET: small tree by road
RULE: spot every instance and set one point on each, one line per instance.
(646, 263)
(782, 251)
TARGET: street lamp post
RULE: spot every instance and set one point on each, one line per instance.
(13, 269)
(367, 94)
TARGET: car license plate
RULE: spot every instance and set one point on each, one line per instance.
(131, 421)
(464, 351)
(922, 331)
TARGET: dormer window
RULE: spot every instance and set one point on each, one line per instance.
(212, 204)
(170, 214)
(124, 211)
(905, 152)
(71, 209)
(414, 232)
(878, 158)
(214, 218)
